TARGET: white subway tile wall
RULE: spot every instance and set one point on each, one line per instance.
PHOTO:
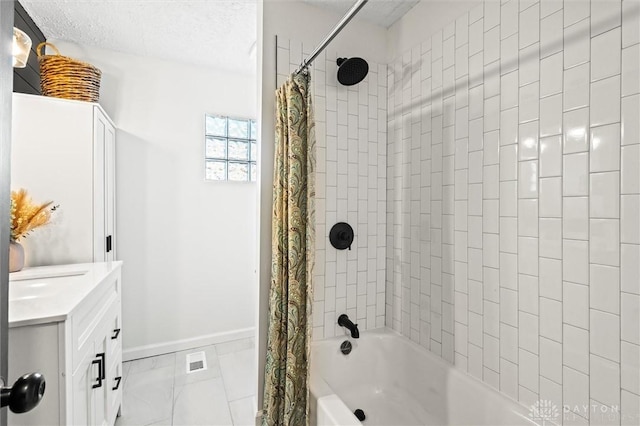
(351, 156)
(513, 201)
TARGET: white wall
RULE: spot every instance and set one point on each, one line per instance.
(307, 25)
(188, 245)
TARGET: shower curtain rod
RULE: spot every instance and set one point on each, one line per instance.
(343, 22)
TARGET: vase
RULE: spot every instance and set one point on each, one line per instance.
(16, 256)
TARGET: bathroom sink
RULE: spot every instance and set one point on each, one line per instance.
(45, 294)
(41, 288)
(52, 272)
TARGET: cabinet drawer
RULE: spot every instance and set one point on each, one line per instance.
(91, 318)
(115, 385)
(114, 330)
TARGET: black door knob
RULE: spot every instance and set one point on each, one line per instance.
(25, 394)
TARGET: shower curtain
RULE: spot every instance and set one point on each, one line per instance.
(286, 389)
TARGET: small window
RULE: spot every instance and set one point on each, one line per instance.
(231, 152)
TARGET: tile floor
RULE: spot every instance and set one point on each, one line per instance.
(159, 391)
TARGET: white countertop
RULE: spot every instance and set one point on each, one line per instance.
(50, 293)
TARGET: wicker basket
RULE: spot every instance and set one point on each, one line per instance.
(63, 77)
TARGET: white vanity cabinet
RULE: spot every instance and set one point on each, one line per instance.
(64, 151)
(65, 322)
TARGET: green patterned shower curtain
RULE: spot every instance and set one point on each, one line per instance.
(286, 389)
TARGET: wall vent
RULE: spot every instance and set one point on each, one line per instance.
(196, 361)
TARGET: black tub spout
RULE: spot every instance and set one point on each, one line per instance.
(344, 321)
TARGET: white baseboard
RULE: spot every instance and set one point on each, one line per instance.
(146, 351)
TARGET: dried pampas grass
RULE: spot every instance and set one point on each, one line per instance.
(26, 215)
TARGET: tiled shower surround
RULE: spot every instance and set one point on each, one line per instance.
(513, 201)
(351, 142)
(500, 174)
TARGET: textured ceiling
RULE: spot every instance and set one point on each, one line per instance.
(380, 12)
(213, 33)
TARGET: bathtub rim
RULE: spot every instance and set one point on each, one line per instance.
(320, 388)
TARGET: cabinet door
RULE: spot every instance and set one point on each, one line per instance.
(110, 190)
(90, 382)
(99, 192)
(100, 394)
(82, 392)
(104, 191)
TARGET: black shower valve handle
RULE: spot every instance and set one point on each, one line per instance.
(341, 236)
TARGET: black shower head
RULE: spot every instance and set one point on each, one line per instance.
(352, 70)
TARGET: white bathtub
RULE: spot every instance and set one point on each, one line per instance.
(396, 382)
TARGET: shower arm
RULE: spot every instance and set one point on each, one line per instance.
(336, 30)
